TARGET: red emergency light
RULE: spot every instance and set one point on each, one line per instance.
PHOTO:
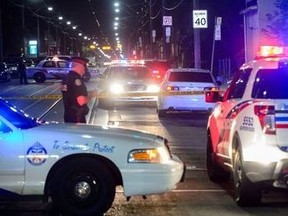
(266, 51)
(272, 51)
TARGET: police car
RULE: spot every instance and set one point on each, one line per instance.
(247, 132)
(51, 69)
(48, 69)
(79, 166)
(127, 81)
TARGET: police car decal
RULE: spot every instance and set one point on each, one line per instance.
(96, 147)
(36, 154)
(103, 149)
(281, 122)
(247, 124)
(237, 109)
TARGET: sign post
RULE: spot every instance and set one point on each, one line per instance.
(216, 36)
(199, 21)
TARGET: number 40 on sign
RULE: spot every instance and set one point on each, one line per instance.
(200, 19)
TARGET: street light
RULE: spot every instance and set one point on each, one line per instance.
(38, 27)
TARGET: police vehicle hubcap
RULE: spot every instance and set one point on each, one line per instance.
(82, 190)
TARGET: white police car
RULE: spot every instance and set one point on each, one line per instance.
(79, 166)
(248, 130)
(127, 82)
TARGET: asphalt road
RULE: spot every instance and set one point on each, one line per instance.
(186, 133)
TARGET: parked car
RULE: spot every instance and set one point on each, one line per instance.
(127, 82)
(12, 63)
(183, 89)
(5, 73)
(79, 165)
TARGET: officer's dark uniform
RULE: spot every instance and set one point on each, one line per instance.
(73, 112)
(21, 68)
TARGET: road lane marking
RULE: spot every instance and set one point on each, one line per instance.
(120, 190)
(199, 190)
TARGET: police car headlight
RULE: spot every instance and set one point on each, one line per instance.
(157, 155)
(116, 88)
(153, 88)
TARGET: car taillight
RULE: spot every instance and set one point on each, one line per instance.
(211, 89)
(172, 88)
(266, 116)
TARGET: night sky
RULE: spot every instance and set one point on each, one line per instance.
(96, 17)
(101, 23)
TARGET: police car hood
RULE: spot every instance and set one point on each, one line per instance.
(81, 131)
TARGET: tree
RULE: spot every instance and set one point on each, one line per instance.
(278, 23)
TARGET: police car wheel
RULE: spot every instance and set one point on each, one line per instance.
(215, 172)
(39, 77)
(246, 193)
(83, 187)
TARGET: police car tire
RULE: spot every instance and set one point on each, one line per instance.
(245, 192)
(91, 173)
(215, 172)
(39, 77)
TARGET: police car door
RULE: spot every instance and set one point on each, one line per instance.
(229, 108)
(63, 68)
(11, 158)
(51, 68)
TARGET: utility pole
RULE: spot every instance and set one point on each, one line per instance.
(197, 45)
(163, 34)
(23, 28)
(151, 28)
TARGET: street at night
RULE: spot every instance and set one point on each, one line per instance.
(143, 107)
(186, 133)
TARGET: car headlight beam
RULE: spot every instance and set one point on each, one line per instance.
(153, 88)
(116, 88)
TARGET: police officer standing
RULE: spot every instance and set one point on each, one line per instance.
(74, 92)
(21, 68)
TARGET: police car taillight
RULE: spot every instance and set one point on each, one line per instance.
(266, 116)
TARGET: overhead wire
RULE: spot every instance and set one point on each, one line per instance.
(174, 7)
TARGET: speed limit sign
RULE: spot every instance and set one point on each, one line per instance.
(200, 19)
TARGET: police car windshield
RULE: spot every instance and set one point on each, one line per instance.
(190, 77)
(16, 117)
(271, 84)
